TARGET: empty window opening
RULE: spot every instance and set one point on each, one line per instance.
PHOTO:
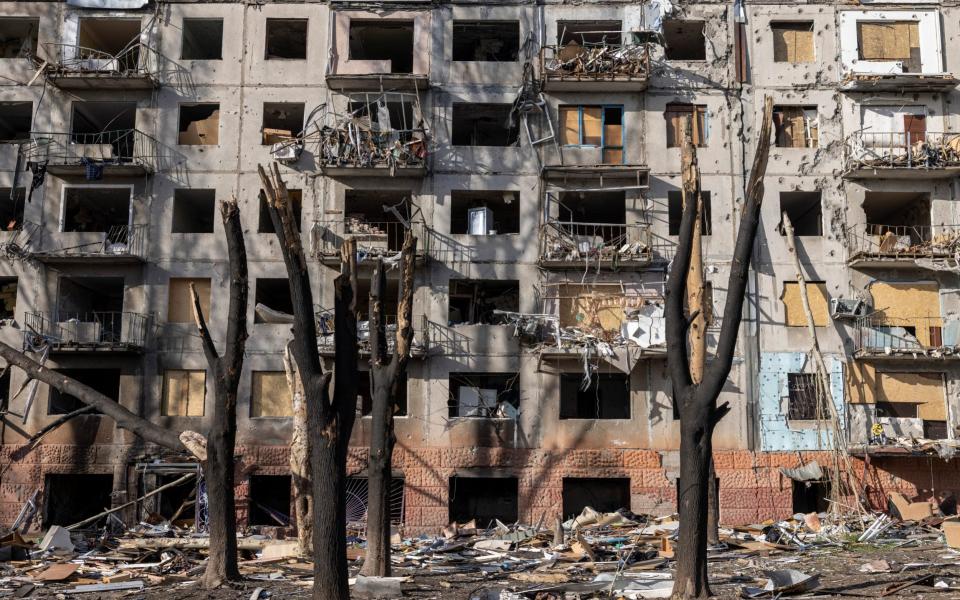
(792, 41)
(935, 430)
(486, 41)
(796, 126)
(110, 36)
(281, 121)
(484, 499)
(383, 40)
(358, 499)
(269, 500)
(368, 217)
(265, 223)
(675, 212)
(104, 210)
(8, 298)
(180, 300)
(71, 498)
(80, 297)
(286, 39)
(605, 396)
(907, 213)
(795, 316)
(184, 393)
(18, 37)
(897, 410)
(599, 493)
(399, 402)
(594, 126)
(684, 40)
(484, 212)
(680, 117)
(270, 394)
(15, 121)
(199, 125)
(178, 503)
(474, 301)
(193, 210)
(484, 395)
(202, 39)
(273, 294)
(11, 208)
(101, 130)
(593, 207)
(811, 496)
(484, 125)
(105, 381)
(589, 33)
(803, 398)
(890, 41)
(804, 211)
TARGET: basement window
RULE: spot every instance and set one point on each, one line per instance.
(184, 393)
(594, 126)
(484, 395)
(193, 210)
(684, 40)
(695, 116)
(110, 36)
(199, 125)
(484, 499)
(603, 494)
(484, 212)
(804, 211)
(16, 120)
(104, 209)
(484, 125)
(11, 209)
(105, 381)
(383, 40)
(286, 39)
(18, 37)
(269, 500)
(8, 299)
(270, 395)
(202, 39)
(589, 33)
(675, 213)
(796, 126)
(792, 41)
(72, 497)
(486, 41)
(281, 122)
(366, 399)
(180, 300)
(273, 294)
(265, 224)
(793, 304)
(890, 41)
(802, 398)
(473, 301)
(811, 496)
(605, 396)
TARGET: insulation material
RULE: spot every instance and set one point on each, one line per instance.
(180, 307)
(888, 41)
(183, 393)
(915, 305)
(270, 395)
(792, 42)
(793, 304)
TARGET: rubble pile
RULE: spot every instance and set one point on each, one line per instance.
(356, 143)
(604, 60)
(560, 245)
(929, 153)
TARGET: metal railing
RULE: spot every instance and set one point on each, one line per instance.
(374, 238)
(361, 146)
(95, 329)
(879, 333)
(123, 147)
(595, 62)
(568, 241)
(890, 150)
(325, 331)
(136, 60)
(903, 241)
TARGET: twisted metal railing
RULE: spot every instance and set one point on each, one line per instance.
(128, 147)
(136, 60)
(902, 149)
(94, 329)
(595, 61)
(903, 241)
(325, 331)
(566, 241)
(374, 238)
(879, 333)
(119, 240)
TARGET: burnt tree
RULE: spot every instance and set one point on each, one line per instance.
(330, 417)
(697, 402)
(386, 375)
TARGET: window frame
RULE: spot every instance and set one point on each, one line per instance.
(603, 147)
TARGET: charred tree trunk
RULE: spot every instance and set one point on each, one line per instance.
(697, 402)
(300, 460)
(385, 378)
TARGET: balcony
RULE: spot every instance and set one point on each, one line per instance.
(899, 83)
(73, 67)
(121, 153)
(595, 67)
(374, 53)
(356, 151)
(882, 337)
(902, 155)
(382, 239)
(86, 332)
(121, 244)
(905, 246)
(325, 337)
(565, 245)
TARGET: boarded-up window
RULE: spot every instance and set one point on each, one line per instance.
(270, 395)
(793, 305)
(594, 126)
(890, 41)
(793, 42)
(914, 307)
(922, 393)
(677, 115)
(183, 393)
(180, 304)
(796, 126)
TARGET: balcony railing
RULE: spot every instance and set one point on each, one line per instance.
(374, 239)
(121, 242)
(595, 63)
(138, 64)
(91, 331)
(353, 146)
(868, 150)
(123, 151)
(882, 335)
(325, 333)
(902, 241)
(612, 244)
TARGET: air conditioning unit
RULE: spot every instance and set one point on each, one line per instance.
(848, 308)
(287, 152)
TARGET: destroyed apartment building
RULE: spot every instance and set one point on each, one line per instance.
(534, 151)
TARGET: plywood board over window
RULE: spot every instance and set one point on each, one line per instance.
(912, 305)
(180, 300)
(793, 42)
(796, 126)
(270, 395)
(925, 390)
(183, 393)
(890, 41)
(677, 115)
(793, 304)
